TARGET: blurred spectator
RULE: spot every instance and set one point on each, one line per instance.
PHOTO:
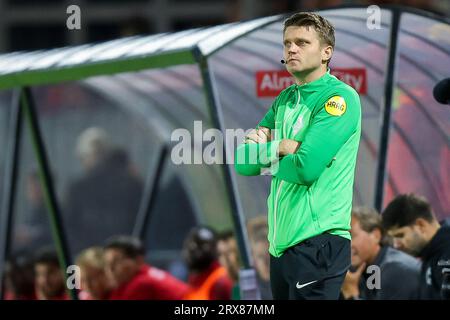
(228, 253)
(94, 283)
(132, 278)
(106, 199)
(19, 278)
(34, 232)
(258, 233)
(208, 280)
(399, 272)
(49, 278)
(410, 220)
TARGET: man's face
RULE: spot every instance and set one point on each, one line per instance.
(49, 280)
(199, 249)
(408, 239)
(119, 268)
(94, 281)
(302, 50)
(364, 244)
(228, 256)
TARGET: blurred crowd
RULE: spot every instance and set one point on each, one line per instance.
(118, 270)
(403, 253)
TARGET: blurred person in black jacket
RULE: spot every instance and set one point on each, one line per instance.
(412, 223)
(105, 200)
(398, 271)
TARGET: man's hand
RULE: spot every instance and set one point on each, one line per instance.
(288, 146)
(261, 135)
(350, 287)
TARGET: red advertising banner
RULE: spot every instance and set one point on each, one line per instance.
(269, 83)
(354, 77)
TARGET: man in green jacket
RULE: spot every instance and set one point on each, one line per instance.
(308, 141)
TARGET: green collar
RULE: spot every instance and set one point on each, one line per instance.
(309, 88)
(316, 84)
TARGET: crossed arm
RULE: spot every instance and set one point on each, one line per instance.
(259, 151)
(299, 162)
(263, 135)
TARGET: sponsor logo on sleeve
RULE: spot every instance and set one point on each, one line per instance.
(336, 106)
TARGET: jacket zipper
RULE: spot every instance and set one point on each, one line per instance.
(275, 209)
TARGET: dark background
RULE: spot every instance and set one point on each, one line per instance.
(41, 24)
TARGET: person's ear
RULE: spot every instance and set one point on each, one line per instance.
(376, 234)
(327, 52)
(421, 224)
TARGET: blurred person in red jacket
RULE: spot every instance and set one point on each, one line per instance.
(94, 283)
(132, 278)
(49, 278)
(207, 278)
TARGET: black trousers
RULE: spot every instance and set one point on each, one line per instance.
(313, 269)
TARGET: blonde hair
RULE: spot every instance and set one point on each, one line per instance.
(91, 257)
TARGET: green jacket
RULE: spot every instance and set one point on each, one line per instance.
(311, 190)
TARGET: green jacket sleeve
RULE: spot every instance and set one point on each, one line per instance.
(250, 158)
(326, 135)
